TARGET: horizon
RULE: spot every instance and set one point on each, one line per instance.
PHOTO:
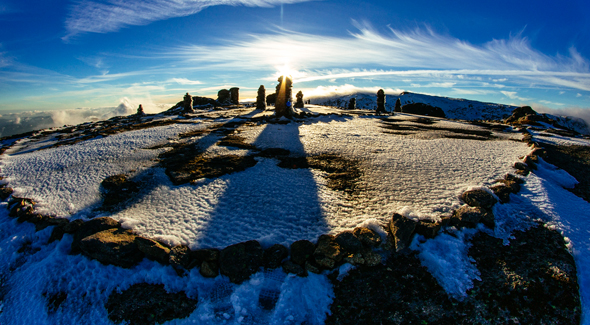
(97, 55)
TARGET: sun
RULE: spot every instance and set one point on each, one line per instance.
(287, 70)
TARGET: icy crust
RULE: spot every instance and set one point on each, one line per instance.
(558, 140)
(65, 180)
(266, 202)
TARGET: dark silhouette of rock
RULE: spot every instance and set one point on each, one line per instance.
(519, 113)
(380, 101)
(188, 103)
(240, 261)
(274, 255)
(427, 228)
(283, 104)
(261, 98)
(113, 246)
(234, 95)
(147, 304)
(368, 237)
(290, 267)
(181, 258)
(208, 261)
(301, 251)
(140, 111)
(5, 192)
(423, 109)
(479, 198)
(299, 103)
(401, 230)
(271, 99)
(328, 252)
(153, 250)
(224, 97)
(352, 103)
(117, 189)
(502, 192)
(349, 242)
(469, 216)
(398, 106)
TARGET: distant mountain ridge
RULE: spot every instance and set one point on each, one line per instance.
(454, 108)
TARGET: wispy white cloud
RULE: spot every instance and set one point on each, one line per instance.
(111, 15)
(514, 95)
(346, 89)
(578, 95)
(547, 102)
(467, 91)
(185, 81)
(421, 51)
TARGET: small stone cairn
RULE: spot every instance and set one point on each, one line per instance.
(261, 98)
(188, 103)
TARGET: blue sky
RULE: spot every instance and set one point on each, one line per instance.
(64, 54)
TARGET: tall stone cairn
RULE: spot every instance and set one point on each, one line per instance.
(352, 103)
(224, 97)
(283, 105)
(380, 101)
(261, 98)
(140, 111)
(188, 103)
(398, 106)
(299, 103)
(234, 95)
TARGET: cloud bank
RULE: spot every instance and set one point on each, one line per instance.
(420, 52)
(112, 15)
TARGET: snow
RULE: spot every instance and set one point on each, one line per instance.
(558, 140)
(420, 175)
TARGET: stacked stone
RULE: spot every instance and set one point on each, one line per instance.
(284, 100)
(188, 103)
(234, 95)
(299, 103)
(224, 97)
(261, 98)
(352, 104)
(398, 106)
(380, 101)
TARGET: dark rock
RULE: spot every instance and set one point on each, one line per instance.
(513, 185)
(148, 304)
(510, 177)
(427, 229)
(349, 242)
(209, 269)
(234, 94)
(401, 230)
(502, 192)
(423, 109)
(92, 227)
(73, 226)
(153, 250)
(530, 162)
(261, 98)
(313, 267)
(299, 102)
(520, 112)
(5, 192)
(188, 103)
(398, 106)
(274, 255)
(224, 97)
(371, 258)
(328, 252)
(468, 217)
(539, 152)
(380, 101)
(117, 189)
(352, 104)
(112, 246)
(240, 261)
(479, 198)
(301, 251)
(290, 267)
(367, 236)
(181, 258)
(521, 168)
(56, 234)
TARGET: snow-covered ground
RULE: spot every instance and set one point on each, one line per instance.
(423, 173)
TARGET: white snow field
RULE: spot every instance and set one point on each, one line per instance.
(421, 174)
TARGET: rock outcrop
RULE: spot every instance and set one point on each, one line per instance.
(423, 109)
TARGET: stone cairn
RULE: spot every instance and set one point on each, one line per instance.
(234, 95)
(140, 111)
(352, 104)
(398, 106)
(283, 104)
(261, 98)
(299, 103)
(105, 240)
(224, 97)
(188, 103)
(380, 102)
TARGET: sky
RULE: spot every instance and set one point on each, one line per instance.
(99, 54)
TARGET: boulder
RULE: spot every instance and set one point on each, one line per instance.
(479, 198)
(428, 229)
(274, 256)
(401, 230)
(372, 258)
(209, 269)
(368, 237)
(301, 251)
(208, 260)
(148, 304)
(521, 168)
(468, 217)
(349, 242)
(423, 109)
(510, 177)
(181, 258)
(502, 191)
(312, 267)
(240, 261)
(92, 227)
(328, 252)
(520, 112)
(512, 184)
(290, 267)
(113, 246)
(5, 193)
(530, 162)
(153, 250)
